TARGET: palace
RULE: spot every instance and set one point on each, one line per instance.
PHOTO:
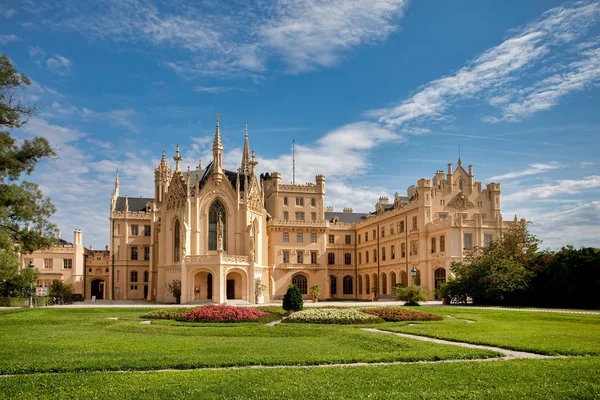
(218, 232)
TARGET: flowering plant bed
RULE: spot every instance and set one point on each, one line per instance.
(345, 316)
(219, 313)
(401, 314)
(168, 313)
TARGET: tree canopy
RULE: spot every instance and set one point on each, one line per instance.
(24, 211)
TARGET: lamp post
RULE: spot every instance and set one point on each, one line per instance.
(31, 268)
(413, 271)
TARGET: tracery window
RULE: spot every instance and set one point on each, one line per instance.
(300, 282)
(176, 241)
(217, 210)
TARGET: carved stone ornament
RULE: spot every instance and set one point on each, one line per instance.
(461, 202)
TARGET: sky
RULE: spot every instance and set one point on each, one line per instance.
(376, 94)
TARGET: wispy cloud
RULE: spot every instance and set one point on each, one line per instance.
(241, 39)
(585, 164)
(498, 67)
(59, 65)
(214, 89)
(6, 39)
(552, 189)
(533, 169)
(7, 12)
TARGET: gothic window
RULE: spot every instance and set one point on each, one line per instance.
(367, 284)
(300, 282)
(176, 240)
(404, 278)
(332, 285)
(360, 284)
(393, 279)
(460, 184)
(347, 283)
(417, 278)
(383, 283)
(217, 210)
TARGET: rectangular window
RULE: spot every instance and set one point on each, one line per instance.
(367, 256)
(48, 263)
(134, 230)
(313, 202)
(146, 253)
(147, 230)
(285, 201)
(134, 253)
(382, 231)
(366, 236)
(402, 250)
(348, 259)
(68, 263)
(330, 258)
(146, 276)
(374, 234)
(331, 239)
(414, 247)
(299, 201)
(443, 216)
(300, 216)
(414, 226)
(433, 245)
(393, 252)
(299, 237)
(401, 226)
(348, 239)
(468, 241)
(313, 237)
(313, 257)
(383, 254)
(359, 258)
(134, 277)
(300, 257)
(442, 243)
(133, 287)
(375, 255)
(286, 237)
(286, 215)
(487, 239)
(286, 256)
(391, 229)
(358, 238)
(313, 216)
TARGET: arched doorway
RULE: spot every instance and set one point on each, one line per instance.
(439, 279)
(203, 286)
(98, 289)
(234, 288)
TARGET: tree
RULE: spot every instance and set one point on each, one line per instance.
(412, 295)
(259, 289)
(292, 300)
(174, 289)
(24, 212)
(61, 290)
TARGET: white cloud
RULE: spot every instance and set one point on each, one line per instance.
(496, 68)
(36, 52)
(213, 89)
(533, 169)
(6, 39)
(585, 164)
(7, 12)
(59, 65)
(548, 190)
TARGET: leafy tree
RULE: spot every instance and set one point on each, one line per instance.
(259, 289)
(61, 290)
(292, 300)
(174, 289)
(497, 273)
(412, 295)
(24, 212)
(19, 285)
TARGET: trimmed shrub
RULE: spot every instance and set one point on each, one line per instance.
(412, 295)
(343, 316)
(168, 313)
(401, 314)
(218, 313)
(292, 301)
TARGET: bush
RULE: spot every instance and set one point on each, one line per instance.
(412, 295)
(292, 301)
(393, 314)
(168, 313)
(219, 313)
(344, 316)
(174, 289)
(61, 290)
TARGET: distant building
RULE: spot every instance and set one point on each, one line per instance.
(217, 231)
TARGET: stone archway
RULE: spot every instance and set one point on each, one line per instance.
(97, 289)
(203, 286)
(235, 286)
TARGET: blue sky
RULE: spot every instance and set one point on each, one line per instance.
(387, 87)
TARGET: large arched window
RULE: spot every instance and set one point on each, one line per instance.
(367, 284)
(417, 278)
(176, 241)
(360, 284)
(376, 283)
(393, 279)
(300, 282)
(383, 283)
(216, 212)
(460, 184)
(404, 278)
(332, 285)
(440, 278)
(347, 284)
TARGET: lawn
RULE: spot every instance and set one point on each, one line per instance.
(575, 378)
(538, 332)
(60, 340)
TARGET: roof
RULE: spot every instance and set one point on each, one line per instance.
(346, 217)
(135, 203)
(231, 176)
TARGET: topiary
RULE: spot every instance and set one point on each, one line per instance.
(292, 301)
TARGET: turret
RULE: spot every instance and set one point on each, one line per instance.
(218, 150)
(162, 178)
(320, 184)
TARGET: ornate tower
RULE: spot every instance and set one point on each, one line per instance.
(162, 177)
(217, 150)
(245, 167)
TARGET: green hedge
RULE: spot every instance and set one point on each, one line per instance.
(22, 301)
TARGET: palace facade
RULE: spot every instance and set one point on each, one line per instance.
(218, 232)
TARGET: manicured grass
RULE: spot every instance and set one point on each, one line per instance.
(59, 340)
(544, 333)
(575, 378)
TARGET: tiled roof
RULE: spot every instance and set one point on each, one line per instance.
(135, 203)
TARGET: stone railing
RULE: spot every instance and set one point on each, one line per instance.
(299, 266)
(212, 259)
(308, 187)
(293, 222)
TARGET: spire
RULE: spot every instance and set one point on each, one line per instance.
(253, 162)
(163, 159)
(117, 181)
(245, 168)
(200, 164)
(177, 159)
(217, 143)
(217, 167)
(459, 160)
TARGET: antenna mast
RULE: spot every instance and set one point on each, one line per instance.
(294, 161)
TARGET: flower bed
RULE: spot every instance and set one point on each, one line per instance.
(168, 313)
(401, 314)
(218, 313)
(344, 316)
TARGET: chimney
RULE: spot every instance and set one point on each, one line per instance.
(58, 234)
(470, 170)
(92, 247)
(348, 210)
(383, 200)
(449, 169)
(106, 248)
(329, 209)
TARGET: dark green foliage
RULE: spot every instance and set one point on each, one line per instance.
(24, 212)
(19, 285)
(292, 300)
(168, 313)
(61, 290)
(174, 289)
(412, 295)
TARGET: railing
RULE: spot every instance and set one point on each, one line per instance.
(294, 222)
(299, 266)
(213, 259)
